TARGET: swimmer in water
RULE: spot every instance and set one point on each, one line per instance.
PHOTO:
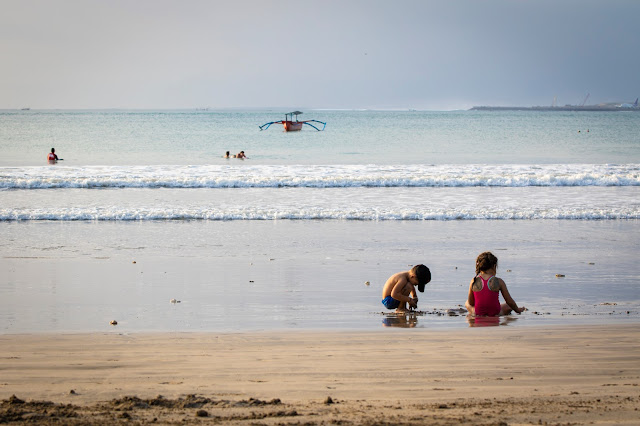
(53, 157)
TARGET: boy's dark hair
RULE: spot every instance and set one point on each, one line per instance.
(486, 261)
(423, 274)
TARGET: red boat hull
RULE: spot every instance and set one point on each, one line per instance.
(292, 126)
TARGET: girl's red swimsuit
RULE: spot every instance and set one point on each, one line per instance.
(487, 302)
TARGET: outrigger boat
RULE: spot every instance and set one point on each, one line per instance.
(294, 126)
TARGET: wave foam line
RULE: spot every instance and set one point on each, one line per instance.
(160, 214)
(319, 176)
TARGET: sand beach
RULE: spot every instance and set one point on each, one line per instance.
(491, 375)
(280, 332)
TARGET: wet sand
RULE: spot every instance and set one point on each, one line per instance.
(516, 375)
(249, 276)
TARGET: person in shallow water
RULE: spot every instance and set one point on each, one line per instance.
(484, 289)
(400, 288)
(53, 157)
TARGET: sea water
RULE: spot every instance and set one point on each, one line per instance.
(288, 237)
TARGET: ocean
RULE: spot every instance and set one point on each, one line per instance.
(303, 233)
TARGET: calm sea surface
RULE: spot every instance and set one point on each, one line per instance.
(287, 237)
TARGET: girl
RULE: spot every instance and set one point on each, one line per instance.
(483, 299)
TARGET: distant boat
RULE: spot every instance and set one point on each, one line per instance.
(293, 126)
(26, 109)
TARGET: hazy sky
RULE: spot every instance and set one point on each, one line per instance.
(324, 54)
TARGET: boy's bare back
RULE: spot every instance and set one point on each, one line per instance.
(401, 280)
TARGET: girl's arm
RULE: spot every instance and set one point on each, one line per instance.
(507, 298)
(470, 298)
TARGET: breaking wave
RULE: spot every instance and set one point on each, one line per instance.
(164, 214)
(327, 176)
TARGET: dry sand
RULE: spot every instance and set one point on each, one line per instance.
(492, 375)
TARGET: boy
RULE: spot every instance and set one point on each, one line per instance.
(400, 288)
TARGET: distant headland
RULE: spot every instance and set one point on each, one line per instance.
(600, 107)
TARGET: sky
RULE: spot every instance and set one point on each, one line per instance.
(345, 54)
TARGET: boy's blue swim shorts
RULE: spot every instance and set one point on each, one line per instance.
(390, 303)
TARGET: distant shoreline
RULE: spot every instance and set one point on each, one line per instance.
(560, 108)
(606, 107)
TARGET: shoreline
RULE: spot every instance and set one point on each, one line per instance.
(556, 374)
(571, 108)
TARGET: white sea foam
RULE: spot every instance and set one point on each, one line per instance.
(362, 214)
(320, 176)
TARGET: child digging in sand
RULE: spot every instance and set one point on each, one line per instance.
(400, 288)
(484, 289)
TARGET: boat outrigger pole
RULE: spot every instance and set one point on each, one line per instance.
(293, 126)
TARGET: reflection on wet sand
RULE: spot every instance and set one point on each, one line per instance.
(407, 319)
(489, 321)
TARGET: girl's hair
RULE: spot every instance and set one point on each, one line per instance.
(486, 261)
